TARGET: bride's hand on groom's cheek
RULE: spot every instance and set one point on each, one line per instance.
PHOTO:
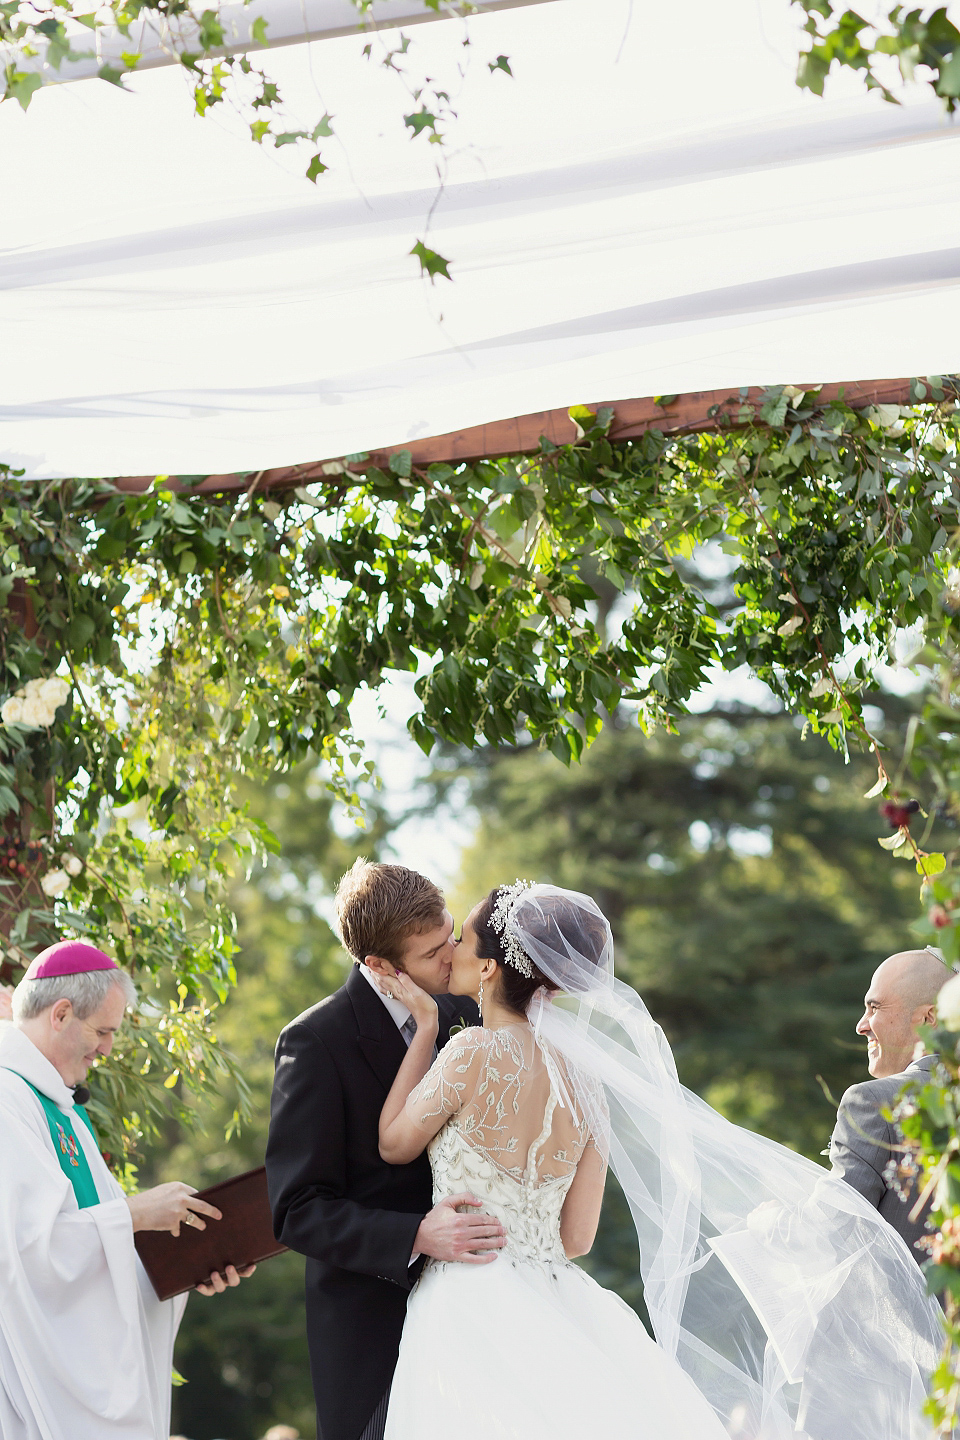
(472, 1239)
(422, 1006)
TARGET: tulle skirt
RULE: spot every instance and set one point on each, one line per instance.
(518, 1350)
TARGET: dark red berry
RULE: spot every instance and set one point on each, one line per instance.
(898, 812)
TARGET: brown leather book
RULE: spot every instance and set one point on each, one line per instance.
(244, 1236)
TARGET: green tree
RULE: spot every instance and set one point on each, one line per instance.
(750, 902)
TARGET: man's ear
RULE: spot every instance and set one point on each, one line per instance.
(929, 1016)
(378, 965)
(60, 1014)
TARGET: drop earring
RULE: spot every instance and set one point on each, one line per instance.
(480, 1000)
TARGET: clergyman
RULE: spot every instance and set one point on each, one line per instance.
(86, 1347)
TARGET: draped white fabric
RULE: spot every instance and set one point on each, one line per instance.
(649, 206)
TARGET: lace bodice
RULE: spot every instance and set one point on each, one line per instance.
(512, 1135)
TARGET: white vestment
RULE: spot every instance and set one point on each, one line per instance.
(86, 1348)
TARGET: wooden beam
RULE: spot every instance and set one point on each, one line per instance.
(701, 410)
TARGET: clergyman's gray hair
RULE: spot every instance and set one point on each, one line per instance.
(85, 992)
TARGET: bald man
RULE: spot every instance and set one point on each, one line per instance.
(901, 997)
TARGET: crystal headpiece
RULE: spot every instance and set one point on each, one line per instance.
(504, 905)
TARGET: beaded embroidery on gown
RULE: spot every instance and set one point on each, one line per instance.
(528, 1347)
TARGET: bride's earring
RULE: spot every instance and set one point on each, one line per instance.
(480, 1000)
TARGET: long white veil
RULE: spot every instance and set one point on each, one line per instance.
(797, 1310)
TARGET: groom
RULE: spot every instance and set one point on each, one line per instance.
(364, 1226)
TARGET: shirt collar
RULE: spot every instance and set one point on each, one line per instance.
(19, 1054)
(396, 1009)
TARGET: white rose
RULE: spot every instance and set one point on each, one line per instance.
(54, 692)
(12, 711)
(948, 1004)
(36, 713)
(32, 688)
(55, 883)
(73, 864)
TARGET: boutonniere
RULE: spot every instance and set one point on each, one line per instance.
(460, 1025)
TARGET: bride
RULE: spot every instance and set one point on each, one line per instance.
(784, 1306)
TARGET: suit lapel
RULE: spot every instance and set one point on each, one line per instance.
(456, 1010)
(380, 1041)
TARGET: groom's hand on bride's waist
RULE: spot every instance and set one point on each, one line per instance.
(474, 1239)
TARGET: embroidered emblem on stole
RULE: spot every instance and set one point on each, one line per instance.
(68, 1145)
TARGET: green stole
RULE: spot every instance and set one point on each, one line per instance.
(73, 1162)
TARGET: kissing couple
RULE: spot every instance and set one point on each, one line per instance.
(442, 1128)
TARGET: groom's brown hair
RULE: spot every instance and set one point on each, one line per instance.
(380, 906)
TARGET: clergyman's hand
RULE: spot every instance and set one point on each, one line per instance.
(230, 1278)
(167, 1207)
(446, 1235)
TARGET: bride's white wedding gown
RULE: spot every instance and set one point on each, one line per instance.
(528, 1347)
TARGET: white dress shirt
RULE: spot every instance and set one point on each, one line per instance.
(396, 1009)
(399, 1014)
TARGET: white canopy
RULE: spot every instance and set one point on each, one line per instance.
(650, 206)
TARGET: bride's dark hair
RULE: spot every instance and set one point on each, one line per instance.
(516, 990)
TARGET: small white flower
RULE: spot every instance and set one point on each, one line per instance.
(72, 864)
(948, 1004)
(55, 883)
(12, 711)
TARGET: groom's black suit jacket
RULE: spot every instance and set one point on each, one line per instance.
(334, 1199)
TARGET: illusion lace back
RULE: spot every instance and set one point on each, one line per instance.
(512, 1137)
(527, 1346)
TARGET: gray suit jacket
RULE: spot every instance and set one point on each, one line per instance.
(864, 1142)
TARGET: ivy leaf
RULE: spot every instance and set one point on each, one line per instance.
(501, 63)
(258, 30)
(431, 263)
(421, 120)
(22, 85)
(948, 82)
(583, 418)
(211, 31)
(315, 168)
(322, 129)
